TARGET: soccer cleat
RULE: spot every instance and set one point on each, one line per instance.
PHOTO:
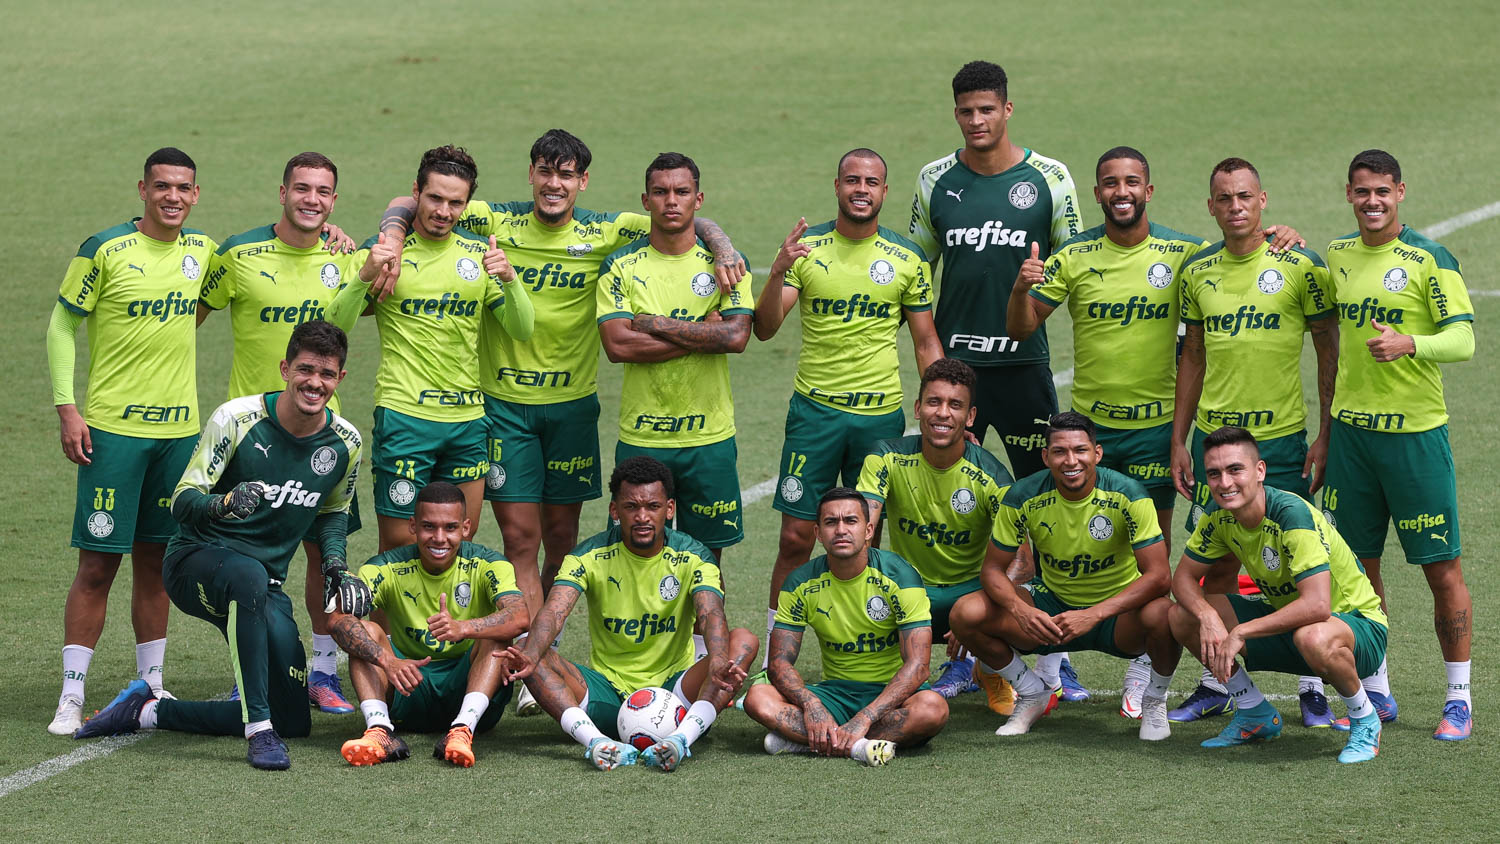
(666, 754)
(1153, 715)
(957, 678)
(1054, 697)
(1385, 707)
(1258, 723)
(268, 752)
(1028, 710)
(1457, 723)
(776, 744)
(1314, 709)
(68, 718)
(997, 691)
(1364, 740)
(456, 746)
(755, 680)
(377, 745)
(607, 754)
(526, 705)
(234, 692)
(1072, 690)
(877, 752)
(162, 694)
(1131, 697)
(121, 716)
(325, 692)
(1202, 703)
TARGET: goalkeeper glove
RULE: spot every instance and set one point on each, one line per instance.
(238, 503)
(343, 591)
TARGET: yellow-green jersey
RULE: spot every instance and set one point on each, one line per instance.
(560, 266)
(685, 401)
(270, 288)
(939, 519)
(1413, 285)
(1254, 309)
(1125, 304)
(858, 621)
(429, 327)
(140, 298)
(408, 594)
(851, 295)
(642, 635)
(1292, 542)
(1085, 549)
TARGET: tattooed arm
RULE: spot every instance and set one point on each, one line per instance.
(1325, 337)
(354, 637)
(783, 648)
(722, 670)
(507, 622)
(729, 266)
(712, 336)
(549, 621)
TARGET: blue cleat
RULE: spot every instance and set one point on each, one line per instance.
(1314, 709)
(1385, 707)
(957, 678)
(1202, 703)
(325, 692)
(1457, 723)
(268, 752)
(606, 754)
(1364, 740)
(1072, 690)
(1258, 723)
(234, 692)
(666, 754)
(121, 716)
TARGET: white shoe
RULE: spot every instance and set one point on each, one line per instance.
(526, 705)
(163, 694)
(1029, 709)
(776, 744)
(877, 752)
(1130, 699)
(1154, 723)
(69, 717)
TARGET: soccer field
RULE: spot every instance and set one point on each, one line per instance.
(765, 97)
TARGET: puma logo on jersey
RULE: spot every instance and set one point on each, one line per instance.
(1045, 525)
(141, 270)
(409, 261)
(731, 523)
(1099, 273)
(410, 595)
(823, 265)
(1441, 537)
(824, 612)
(264, 449)
(1211, 283)
(958, 196)
(638, 278)
(271, 276)
(1344, 271)
(613, 580)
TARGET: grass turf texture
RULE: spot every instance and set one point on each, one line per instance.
(766, 98)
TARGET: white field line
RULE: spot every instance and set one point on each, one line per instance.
(56, 765)
(1468, 218)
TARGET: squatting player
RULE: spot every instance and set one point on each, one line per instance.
(449, 604)
(870, 614)
(645, 585)
(1316, 612)
(853, 282)
(136, 285)
(1403, 309)
(267, 469)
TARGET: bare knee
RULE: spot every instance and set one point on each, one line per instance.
(761, 702)
(96, 570)
(968, 613)
(797, 536)
(929, 712)
(743, 643)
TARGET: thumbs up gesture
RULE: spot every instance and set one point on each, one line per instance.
(1031, 269)
(1389, 344)
(442, 626)
(496, 264)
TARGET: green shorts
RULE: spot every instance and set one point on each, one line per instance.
(821, 443)
(604, 700)
(1375, 478)
(708, 488)
(125, 493)
(543, 452)
(434, 703)
(1284, 457)
(1278, 653)
(942, 599)
(1144, 454)
(410, 453)
(844, 698)
(1101, 638)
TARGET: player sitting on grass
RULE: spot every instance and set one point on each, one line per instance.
(873, 621)
(1103, 577)
(645, 586)
(449, 605)
(1317, 613)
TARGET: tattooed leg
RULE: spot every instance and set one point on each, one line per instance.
(919, 719)
(1452, 608)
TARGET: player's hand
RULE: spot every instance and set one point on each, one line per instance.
(1225, 653)
(791, 250)
(1031, 273)
(238, 503)
(1283, 238)
(1389, 344)
(405, 674)
(1075, 623)
(956, 649)
(338, 242)
(1211, 638)
(820, 728)
(728, 271)
(713, 316)
(971, 436)
(382, 266)
(497, 265)
(514, 664)
(1039, 625)
(1316, 464)
(77, 444)
(846, 735)
(1182, 471)
(725, 674)
(345, 592)
(442, 626)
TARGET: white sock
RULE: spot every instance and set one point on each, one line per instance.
(257, 727)
(700, 716)
(325, 654)
(1244, 691)
(765, 658)
(1458, 681)
(471, 710)
(1308, 683)
(984, 667)
(148, 660)
(1138, 671)
(1158, 684)
(1359, 704)
(76, 659)
(700, 650)
(1022, 679)
(1209, 681)
(148, 715)
(377, 714)
(1379, 682)
(858, 750)
(576, 723)
(1048, 667)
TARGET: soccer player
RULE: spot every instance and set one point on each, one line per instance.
(136, 285)
(271, 279)
(940, 493)
(980, 211)
(1403, 309)
(854, 282)
(1316, 613)
(1245, 310)
(662, 314)
(450, 604)
(870, 613)
(1103, 578)
(645, 584)
(267, 469)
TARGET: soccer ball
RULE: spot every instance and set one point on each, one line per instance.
(648, 716)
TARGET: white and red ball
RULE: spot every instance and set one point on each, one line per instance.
(649, 715)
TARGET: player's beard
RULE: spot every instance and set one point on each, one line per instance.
(1138, 211)
(848, 212)
(552, 219)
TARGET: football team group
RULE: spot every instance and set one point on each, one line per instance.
(1186, 381)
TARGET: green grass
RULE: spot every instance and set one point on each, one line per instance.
(765, 97)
